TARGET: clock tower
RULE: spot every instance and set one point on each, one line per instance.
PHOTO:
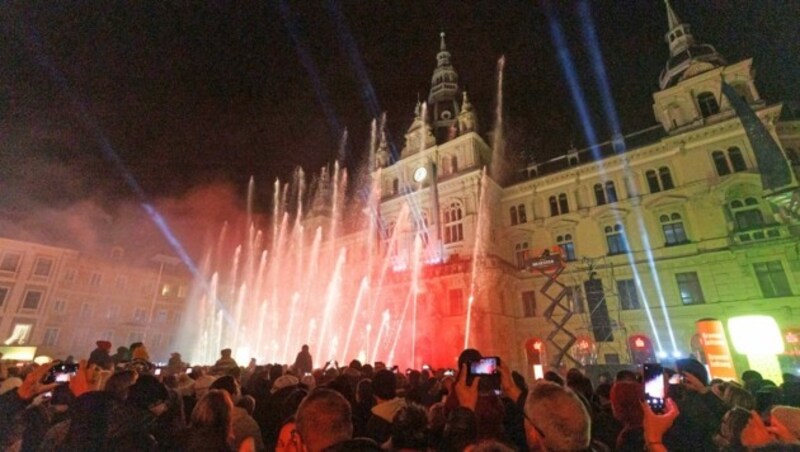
(443, 98)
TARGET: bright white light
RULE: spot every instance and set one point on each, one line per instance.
(767, 341)
(677, 354)
(662, 354)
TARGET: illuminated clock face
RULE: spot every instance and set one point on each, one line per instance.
(420, 173)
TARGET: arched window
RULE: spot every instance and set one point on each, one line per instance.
(513, 212)
(666, 178)
(553, 206)
(453, 224)
(395, 186)
(567, 246)
(652, 181)
(560, 205)
(615, 239)
(707, 103)
(563, 205)
(611, 192)
(523, 215)
(720, 163)
(747, 215)
(454, 164)
(737, 159)
(674, 232)
(599, 194)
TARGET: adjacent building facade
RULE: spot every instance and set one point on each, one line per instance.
(63, 301)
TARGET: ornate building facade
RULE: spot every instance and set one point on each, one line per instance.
(659, 229)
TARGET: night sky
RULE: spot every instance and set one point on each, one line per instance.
(196, 93)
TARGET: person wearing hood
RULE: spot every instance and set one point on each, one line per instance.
(387, 404)
(701, 410)
(627, 408)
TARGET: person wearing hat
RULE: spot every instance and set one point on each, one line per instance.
(244, 426)
(226, 361)
(284, 381)
(701, 410)
(387, 404)
(101, 356)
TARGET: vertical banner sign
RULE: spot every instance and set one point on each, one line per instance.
(715, 347)
(641, 348)
(535, 350)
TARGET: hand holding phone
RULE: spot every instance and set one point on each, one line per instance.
(484, 366)
(488, 369)
(61, 373)
(654, 390)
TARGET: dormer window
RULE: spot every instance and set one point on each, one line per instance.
(708, 104)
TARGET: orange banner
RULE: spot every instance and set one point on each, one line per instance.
(717, 351)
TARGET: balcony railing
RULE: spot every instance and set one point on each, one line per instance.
(770, 232)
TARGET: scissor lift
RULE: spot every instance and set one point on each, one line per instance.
(551, 266)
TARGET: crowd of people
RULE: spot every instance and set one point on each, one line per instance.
(123, 402)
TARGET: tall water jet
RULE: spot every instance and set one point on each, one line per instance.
(498, 167)
(477, 254)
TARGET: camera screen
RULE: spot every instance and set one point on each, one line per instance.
(484, 366)
(654, 391)
(62, 373)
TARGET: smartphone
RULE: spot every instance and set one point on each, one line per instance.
(157, 372)
(654, 390)
(489, 370)
(449, 373)
(676, 379)
(484, 366)
(307, 374)
(426, 367)
(61, 373)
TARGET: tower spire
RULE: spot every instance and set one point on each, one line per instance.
(672, 18)
(443, 97)
(685, 51)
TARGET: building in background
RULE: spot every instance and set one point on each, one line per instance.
(63, 301)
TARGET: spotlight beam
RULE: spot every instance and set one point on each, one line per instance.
(578, 100)
(601, 79)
